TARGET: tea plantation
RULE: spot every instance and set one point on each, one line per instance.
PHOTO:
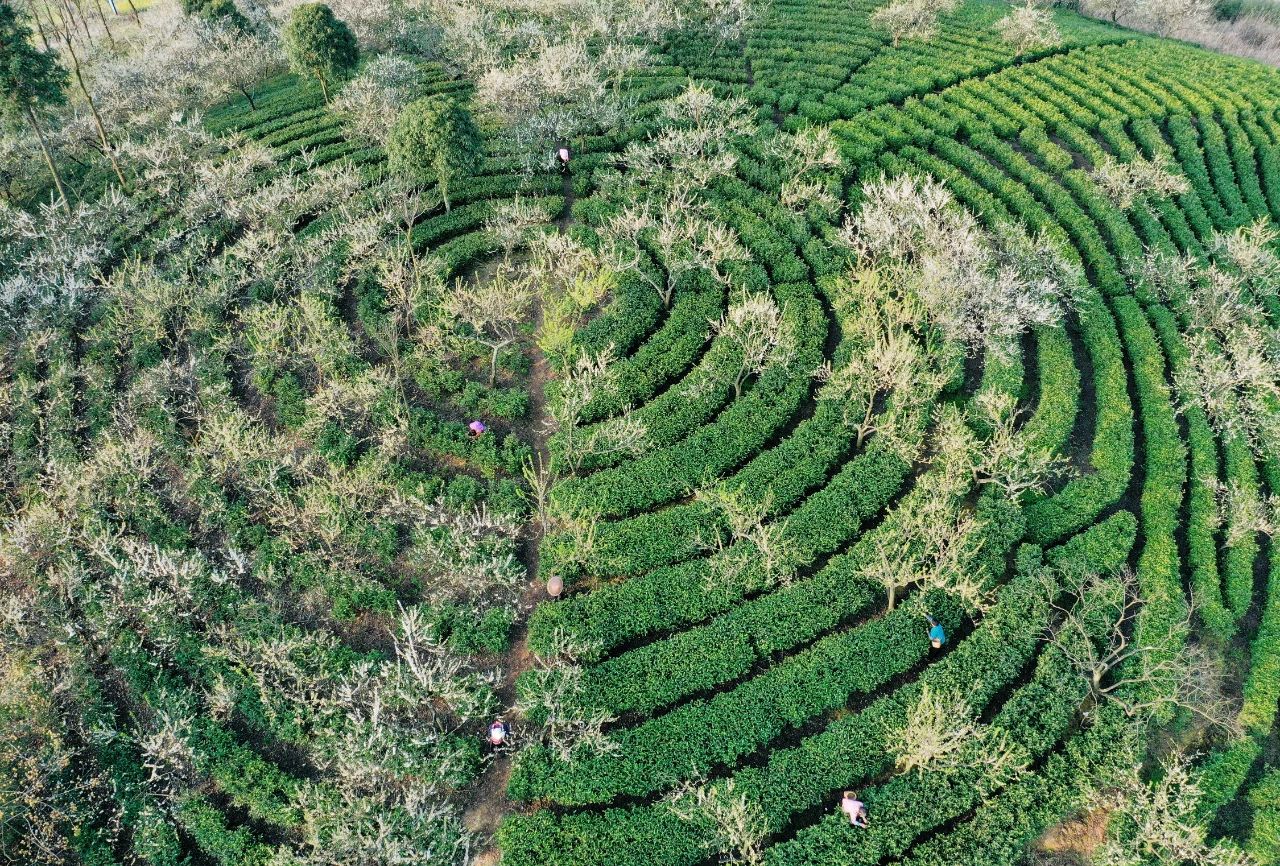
(286, 587)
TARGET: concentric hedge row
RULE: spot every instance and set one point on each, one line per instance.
(787, 689)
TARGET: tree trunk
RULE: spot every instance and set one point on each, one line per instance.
(893, 596)
(48, 158)
(493, 366)
(133, 10)
(324, 88)
(247, 95)
(71, 20)
(39, 24)
(97, 4)
(97, 118)
(865, 426)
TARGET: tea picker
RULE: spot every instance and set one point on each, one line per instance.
(854, 808)
(937, 637)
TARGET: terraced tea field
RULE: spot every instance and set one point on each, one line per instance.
(289, 588)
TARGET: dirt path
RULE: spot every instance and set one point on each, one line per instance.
(489, 798)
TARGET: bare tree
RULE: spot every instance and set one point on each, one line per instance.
(1095, 635)
(1029, 27)
(1126, 182)
(911, 19)
(756, 327)
(737, 827)
(493, 312)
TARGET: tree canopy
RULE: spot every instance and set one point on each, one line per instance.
(434, 141)
(30, 80)
(317, 43)
(217, 12)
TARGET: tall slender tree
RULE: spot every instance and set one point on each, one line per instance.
(107, 149)
(30, 82)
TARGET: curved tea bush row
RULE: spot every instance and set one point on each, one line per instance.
(1036, 716)
(675, 595)
(848, 750)
(726, 678)
(718, 732)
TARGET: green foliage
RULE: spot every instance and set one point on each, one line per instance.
(1264, 840)
(30, 80)
(435, 141)
(222, 12)
(320, 45)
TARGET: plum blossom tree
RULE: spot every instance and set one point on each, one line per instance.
(685, 240)
(547, 95)
(552, 698)
(1233, 365)
(753, 542)
(1029, 27)
(1169, 17)
(803, 156)
(243, 57)
(911, 19)
(738, 827)
(888, 372)
(589, 376)
(490, 313)
(1009, 459)
(757, 329)
(371, 102)
(1159, 821)
(941, 734)
(1125, 182)
(981, 288)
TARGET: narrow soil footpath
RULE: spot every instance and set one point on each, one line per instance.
(489, 797)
